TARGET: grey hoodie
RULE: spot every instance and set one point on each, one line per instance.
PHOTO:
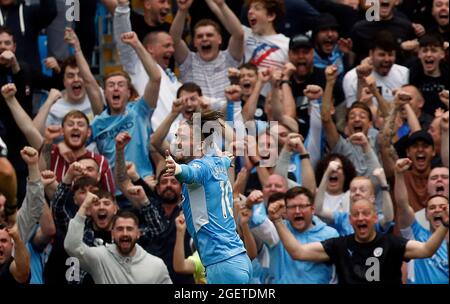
(107, 266)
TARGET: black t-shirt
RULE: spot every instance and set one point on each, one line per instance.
(378, 261)
(141, 28)
(430, 86)
(317, 77)
(364, 31)
(6, 277)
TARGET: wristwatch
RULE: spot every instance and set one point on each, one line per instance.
(385, 188)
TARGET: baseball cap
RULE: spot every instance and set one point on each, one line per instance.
(300, 41)
(420, 135)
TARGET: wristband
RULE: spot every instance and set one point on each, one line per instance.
(385, 188)
(304, 156)
(288, 82)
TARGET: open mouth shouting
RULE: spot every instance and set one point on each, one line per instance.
(443, 17)
(440, 189)
(77, 89)
(362, 229)
(429, 64)
(252, 22)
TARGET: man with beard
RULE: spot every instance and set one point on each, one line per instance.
(207, 203)
(435, 269)
(301, 55)
(208, 65)
(364, 257)
(124, 261)
(381, 65)
(76, 131)
(328, 48)
(363, 31)
(420, 151)
(160, 224)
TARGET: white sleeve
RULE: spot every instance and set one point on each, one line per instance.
(128, 57)
(267, 233)
(313, 141)
(350, 87)
(73, 244)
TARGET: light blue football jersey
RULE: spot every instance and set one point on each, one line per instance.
(208, 208)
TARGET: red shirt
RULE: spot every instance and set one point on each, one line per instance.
(59, 166)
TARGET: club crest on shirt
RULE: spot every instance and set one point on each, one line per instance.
(378, 252)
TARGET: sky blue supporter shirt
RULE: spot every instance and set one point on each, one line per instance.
(208, 208)
(344, 228)
(433, 270)
(135, 121)
(285, 270)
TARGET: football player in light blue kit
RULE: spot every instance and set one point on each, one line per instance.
(208, 205)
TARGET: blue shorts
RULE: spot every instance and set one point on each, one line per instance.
(235, 270)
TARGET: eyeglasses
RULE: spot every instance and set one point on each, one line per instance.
(301, 207)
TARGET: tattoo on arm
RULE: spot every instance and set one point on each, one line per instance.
(121, 172)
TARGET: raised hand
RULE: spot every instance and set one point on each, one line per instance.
(288, 70)
(122, 139)
(233, 92)
(331, 73)
(333, 166)
(275, 211)
(234, 75)
(71, 38)
(52, 132)
(54, 95)
(130, 38)
(443, 96)
(363, 70)
(277, 76)
(137, 194)
(313, 92)
(170, 165)
(402, 165)
(30, 155)
(89, 200)
(9, 90)
(380, 175)
(255, 197)
(360, 139)
(264, 75)
(48, 177)
(131, 171)
(345, 45)
(184, 5)
(75, 170)
(419, 30)
(180, 222)
(7, 58)
(52, 64)
(245, 214)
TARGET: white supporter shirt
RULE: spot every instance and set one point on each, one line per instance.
(61, 107)
(269, 51)
(397, 76)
